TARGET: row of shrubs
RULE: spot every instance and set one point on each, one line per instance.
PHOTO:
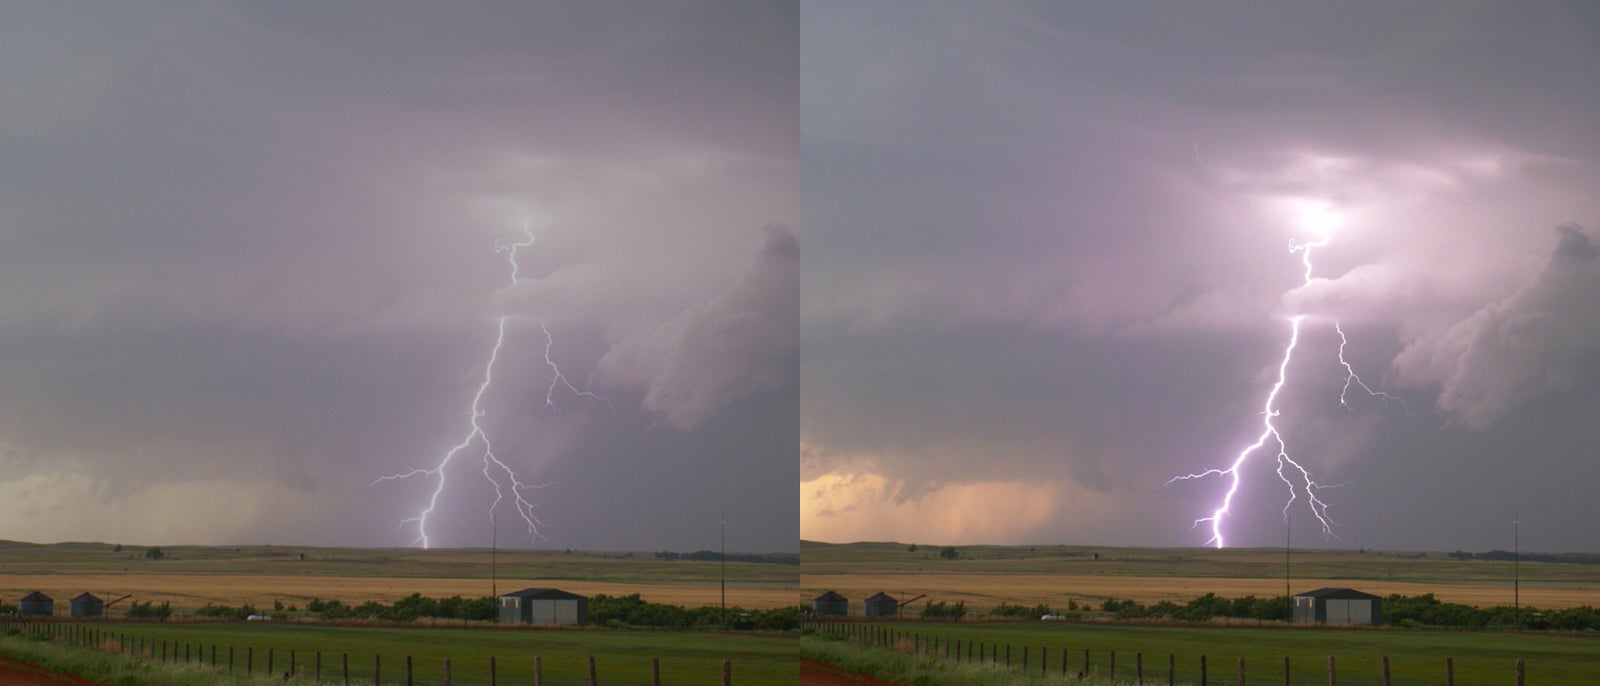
(629, 610)
(1423, 610)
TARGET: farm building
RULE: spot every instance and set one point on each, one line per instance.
(1337, 606)
(830, 604)
(86, 605)
(543, 606)
(36, 604)
(881, 605)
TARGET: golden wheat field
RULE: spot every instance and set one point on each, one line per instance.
(191, 576)
(986, 576)
(193, 590)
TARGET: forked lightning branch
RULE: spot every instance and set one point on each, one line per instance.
(1319, 220)
(501, 476)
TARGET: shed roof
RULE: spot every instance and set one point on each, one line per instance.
(831, 596)
(543, 594)
(1332, 592)
(883, 597)
(38, 597)
(86, 596)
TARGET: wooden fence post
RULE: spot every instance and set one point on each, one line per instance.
(655, 671)
(592, 680)
(1241, 671)
(1113, 665)
(1286, 670)
(538, 672)
(727, 673)
(230, 659)
(446, 672)
(1202, 670)
(1008, 656)
(1064, 655)
(408, 670)
(345, 659)
(377, 669)
(491, 671)
(249, 660)
(1044, 660)
(319, 667)
(1519, 672)
(1172, 668)
(1086, 662)
(1449, 672)
(1386, 670)
(1024, 658)
(291, 663)
(1331, 680)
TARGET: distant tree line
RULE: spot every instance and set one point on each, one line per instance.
(1508, 556)
(714, 556)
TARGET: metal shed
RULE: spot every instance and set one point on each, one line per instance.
(881, 605)
(546, 606)
(36, 604)
(1337, 606)
(830, 604)
(86, 605)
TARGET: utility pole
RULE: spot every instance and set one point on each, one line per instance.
(1516, 563)
(1287, 598)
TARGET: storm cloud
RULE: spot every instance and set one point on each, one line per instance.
(250, 265)
(1059, 245)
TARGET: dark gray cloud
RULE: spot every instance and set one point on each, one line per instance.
(250, 262)
(1048, 265)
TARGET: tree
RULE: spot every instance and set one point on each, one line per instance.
(912, 549)
(154, 554)
(949, 553)
(117, 549)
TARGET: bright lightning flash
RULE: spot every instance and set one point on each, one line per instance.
(1320, 220)
(492, 465)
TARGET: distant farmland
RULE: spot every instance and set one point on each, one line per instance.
(191, 576)
(986, 576)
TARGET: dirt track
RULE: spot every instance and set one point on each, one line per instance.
(14, 673)
(814, 673)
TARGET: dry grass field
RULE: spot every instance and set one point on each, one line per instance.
(986, 576)
(191, 576)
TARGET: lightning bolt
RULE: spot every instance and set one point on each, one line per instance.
(560, 380)
(1294, 475)
(493, 467)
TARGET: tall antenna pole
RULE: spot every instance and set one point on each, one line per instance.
(1287, 598)
(494, 550)
(723, 531)
(1516, 561)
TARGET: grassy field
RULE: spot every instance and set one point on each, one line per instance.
(191, 576)
(621, 656)
(985, 576)
(1414, 656)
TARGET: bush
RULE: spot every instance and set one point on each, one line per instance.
(149, 610)
(944, 610)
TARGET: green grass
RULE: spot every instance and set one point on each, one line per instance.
(621, 656)
(924, 671)
(1415, 656)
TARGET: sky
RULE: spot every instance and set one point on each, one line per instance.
(250, 265)
(1048, 269)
